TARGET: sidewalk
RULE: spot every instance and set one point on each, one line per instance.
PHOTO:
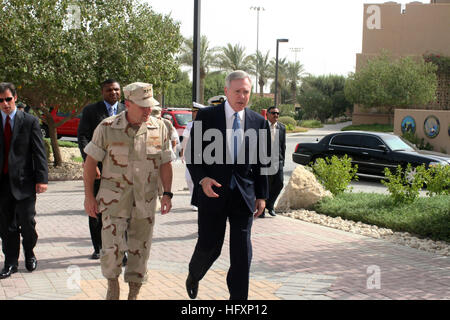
(291, 259)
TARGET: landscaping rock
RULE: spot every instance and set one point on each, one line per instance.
(302, 191)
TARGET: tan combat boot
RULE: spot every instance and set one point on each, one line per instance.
(134, 290)
(113, 292)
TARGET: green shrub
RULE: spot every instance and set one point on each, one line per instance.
(288, 121)
(311, 124)
(335, 174)
(404, 186)
(290, 127)
(437, 179)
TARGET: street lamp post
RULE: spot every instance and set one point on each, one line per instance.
(196, 53)
(276, 70)
(257, 42)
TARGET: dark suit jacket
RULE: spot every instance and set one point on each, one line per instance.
(27, 162)
(92, 115)
(281, 140)
(251, 183)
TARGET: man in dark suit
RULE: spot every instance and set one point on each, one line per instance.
(277, 134)
(24, 172)
(229, 183)
(92, 115)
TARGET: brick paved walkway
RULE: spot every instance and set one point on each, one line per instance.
(291, 259)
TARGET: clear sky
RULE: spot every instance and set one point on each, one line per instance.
(328, 31)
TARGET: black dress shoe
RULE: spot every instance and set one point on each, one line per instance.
(191, 287)
(7, 271)
(31, 263)
(262, 215)
(125, 259)
(95, 255)
(272, 212)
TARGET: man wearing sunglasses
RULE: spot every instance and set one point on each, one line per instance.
(277, 134)
(24, 172)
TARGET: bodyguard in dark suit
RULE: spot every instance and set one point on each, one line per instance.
(277, 134)
(92, 115)
(228, 184)
(24, 172)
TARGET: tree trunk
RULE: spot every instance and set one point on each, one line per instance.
(261, 87)
(57, 159)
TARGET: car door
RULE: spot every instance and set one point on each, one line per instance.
(346, 144)
(375, 155)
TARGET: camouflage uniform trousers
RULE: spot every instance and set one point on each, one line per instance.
(114, 245)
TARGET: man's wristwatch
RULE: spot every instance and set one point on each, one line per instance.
(169, 194)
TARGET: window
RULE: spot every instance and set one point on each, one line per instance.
(346, 140)
(371, 142)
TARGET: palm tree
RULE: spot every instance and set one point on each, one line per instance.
(207, 60)
(295, 72)
(282, 75)
(261, 67)
(233, 58)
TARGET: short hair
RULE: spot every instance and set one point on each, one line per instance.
(236, 75)
(272, 107)
(8, 86)
(108, 81)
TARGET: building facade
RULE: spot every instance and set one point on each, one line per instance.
(415, 29)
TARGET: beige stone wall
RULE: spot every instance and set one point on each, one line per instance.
(421, 29)
(442, 141)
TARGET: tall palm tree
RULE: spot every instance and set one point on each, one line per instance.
(207, 60)
(261, 67)
(282, 76)
(295, 72)
(233, 58)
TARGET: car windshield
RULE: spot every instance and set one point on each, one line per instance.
(396, 144)
(183, 118)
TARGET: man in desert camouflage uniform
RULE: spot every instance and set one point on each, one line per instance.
(135, 151)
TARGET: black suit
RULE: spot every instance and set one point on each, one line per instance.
(27, 166)
(238, 204)
(276, 180)
(92, 115)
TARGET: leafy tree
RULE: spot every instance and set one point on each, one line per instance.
(233, 58)
(207, 60)
(392, 83)
(261, 67)
(323, 97)
(257, 103)
(315, 104)
(58, 59)
(214, 84)
(178, 93)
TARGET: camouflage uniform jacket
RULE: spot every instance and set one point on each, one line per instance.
(131, 159)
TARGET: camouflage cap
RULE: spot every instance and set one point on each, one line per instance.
(140, 93)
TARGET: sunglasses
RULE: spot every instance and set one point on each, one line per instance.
(277, 113)
(6, 99)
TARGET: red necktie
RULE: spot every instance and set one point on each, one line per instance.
(7, 139)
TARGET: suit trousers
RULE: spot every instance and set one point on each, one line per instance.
(16, 217)
(95, 224)
(211, 232)
(275, 187)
